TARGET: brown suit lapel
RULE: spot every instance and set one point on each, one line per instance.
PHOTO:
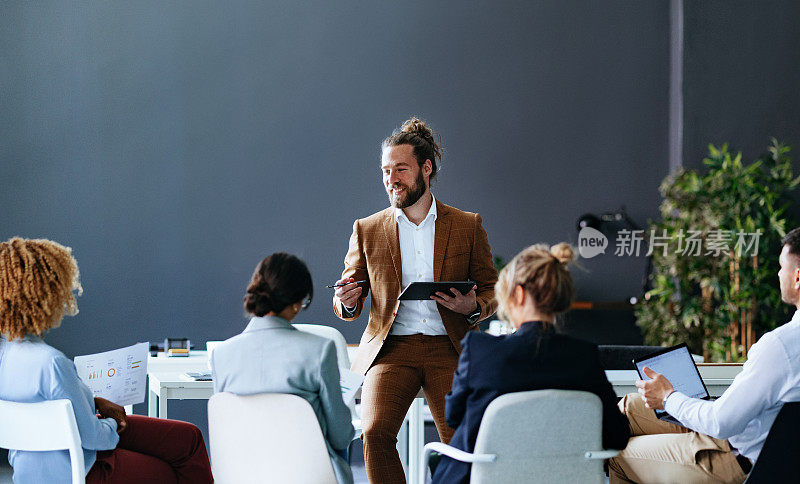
(441, 237)
(393, 242)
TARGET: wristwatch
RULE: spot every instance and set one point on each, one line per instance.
(347, 312)
(473, 317)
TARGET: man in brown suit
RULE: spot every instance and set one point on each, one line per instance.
(411, 344)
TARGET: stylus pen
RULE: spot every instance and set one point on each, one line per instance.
(346, 283)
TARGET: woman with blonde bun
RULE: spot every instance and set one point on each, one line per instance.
(531, 290)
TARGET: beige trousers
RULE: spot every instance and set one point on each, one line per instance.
(661, 452)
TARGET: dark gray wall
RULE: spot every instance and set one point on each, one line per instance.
(173, 145)
(741, 76)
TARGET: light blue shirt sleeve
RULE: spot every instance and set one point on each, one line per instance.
(758, 387)
(96, 434)
(214, 378)
(337, 415)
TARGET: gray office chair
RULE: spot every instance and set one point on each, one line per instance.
(551, 436)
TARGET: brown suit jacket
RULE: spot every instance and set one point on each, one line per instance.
(461, 251)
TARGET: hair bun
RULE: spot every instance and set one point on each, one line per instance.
(416, 126)
(278, 281)
(563, 252)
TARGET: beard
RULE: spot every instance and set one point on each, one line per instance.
(410, 195)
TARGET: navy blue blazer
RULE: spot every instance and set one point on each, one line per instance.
(533, 358)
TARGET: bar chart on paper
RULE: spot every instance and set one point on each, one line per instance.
(118, 375)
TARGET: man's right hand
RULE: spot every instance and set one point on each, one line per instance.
(654, 390)
(348, 295)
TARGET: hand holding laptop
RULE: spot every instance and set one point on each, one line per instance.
(655, 390)
(665, 371)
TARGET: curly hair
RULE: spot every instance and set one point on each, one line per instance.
(37, 280)
(416, 133)
(542, 272)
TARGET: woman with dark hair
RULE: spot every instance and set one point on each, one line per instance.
(271, 356)
(38, 279)
(531, 290)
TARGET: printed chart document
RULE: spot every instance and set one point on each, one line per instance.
(119, 375)
(351, 382)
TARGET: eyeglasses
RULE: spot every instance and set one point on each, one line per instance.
(306, 301)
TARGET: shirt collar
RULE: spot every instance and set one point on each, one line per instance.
(432, 213)
(267, 322)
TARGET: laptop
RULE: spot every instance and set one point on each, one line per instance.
(678, 366)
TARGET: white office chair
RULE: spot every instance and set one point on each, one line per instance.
(269, 437)
(48, 425)
(551, 436)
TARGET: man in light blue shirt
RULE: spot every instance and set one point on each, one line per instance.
(699, 451)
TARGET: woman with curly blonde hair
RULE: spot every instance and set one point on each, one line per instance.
(38, 281)
(531, 290)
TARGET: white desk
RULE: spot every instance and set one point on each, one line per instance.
(168, 385)
(165, 384)
(164, 381)
(197, 361)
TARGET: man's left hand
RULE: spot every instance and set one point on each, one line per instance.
(460, 303)
(655, 390)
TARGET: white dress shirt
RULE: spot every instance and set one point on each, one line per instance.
(416, 253)
(745, 412)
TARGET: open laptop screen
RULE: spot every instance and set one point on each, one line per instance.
(677, 365)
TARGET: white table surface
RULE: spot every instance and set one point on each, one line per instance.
(165, 383)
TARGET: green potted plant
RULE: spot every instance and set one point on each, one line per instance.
(720, 298)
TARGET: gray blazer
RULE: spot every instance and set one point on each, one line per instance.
(271, 356)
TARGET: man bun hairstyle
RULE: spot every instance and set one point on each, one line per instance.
(792, 240)
(279, 280)
(421, 137)
(542, 271)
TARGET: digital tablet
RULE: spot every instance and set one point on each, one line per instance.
(422, 291)
(678, 366)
